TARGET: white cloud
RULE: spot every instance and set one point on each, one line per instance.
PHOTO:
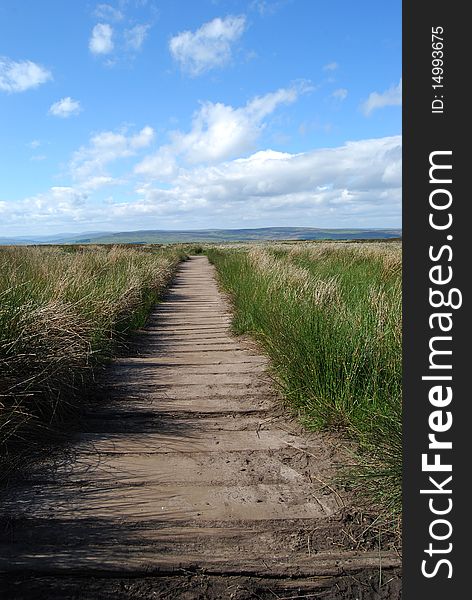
(18, 76)
(97, 182)
(143, 138)
(65, 197)
(218, 132)
(58, 200)
(134, 37)
(161, 165)
(65, 107)
(118, 35)
(101, 41)
(34, 144)
(356, 184)
(359, 182)
(106, 12)
(332, 66)
(391, 97)
(207, 47)
(340, 94)
(90, 162)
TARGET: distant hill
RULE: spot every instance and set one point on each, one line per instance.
(208, 235)
(58, 238)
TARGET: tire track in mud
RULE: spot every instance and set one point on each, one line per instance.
(188, 482)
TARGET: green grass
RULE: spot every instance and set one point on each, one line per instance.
(329, 316)
(63, 312)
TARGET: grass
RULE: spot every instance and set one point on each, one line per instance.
(327, 313)
(63, 311)
(329, 316)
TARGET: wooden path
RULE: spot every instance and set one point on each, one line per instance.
(187, 470)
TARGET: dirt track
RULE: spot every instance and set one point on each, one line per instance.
(188, 482)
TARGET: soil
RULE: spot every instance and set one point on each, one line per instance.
(185, 480)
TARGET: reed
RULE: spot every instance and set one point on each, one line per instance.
(329, 315)
(63, 312)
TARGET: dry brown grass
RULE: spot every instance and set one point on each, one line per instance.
(62, 312)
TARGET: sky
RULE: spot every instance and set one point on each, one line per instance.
(180, 114)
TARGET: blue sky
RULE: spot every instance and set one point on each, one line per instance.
(178, 114)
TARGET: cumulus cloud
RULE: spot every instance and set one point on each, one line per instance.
(162, 165)
(218, 132)
(62, 201)
(62, 197)
(19, 76)
(101, 40)
(209, 46)
(96, 182)
(391, 97)
(134, 37)
(65, 107)
(143, 138)
(118, 35)
(356, 184)
(89, 162)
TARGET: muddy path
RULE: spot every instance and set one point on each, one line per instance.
(187, 481)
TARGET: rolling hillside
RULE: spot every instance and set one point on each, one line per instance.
(207, 235)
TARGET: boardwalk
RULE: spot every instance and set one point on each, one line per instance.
(186, 482)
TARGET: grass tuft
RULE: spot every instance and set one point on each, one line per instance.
(63, 311)
(329, 316)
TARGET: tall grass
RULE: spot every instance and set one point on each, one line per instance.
(62, 312)
(329, 315)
